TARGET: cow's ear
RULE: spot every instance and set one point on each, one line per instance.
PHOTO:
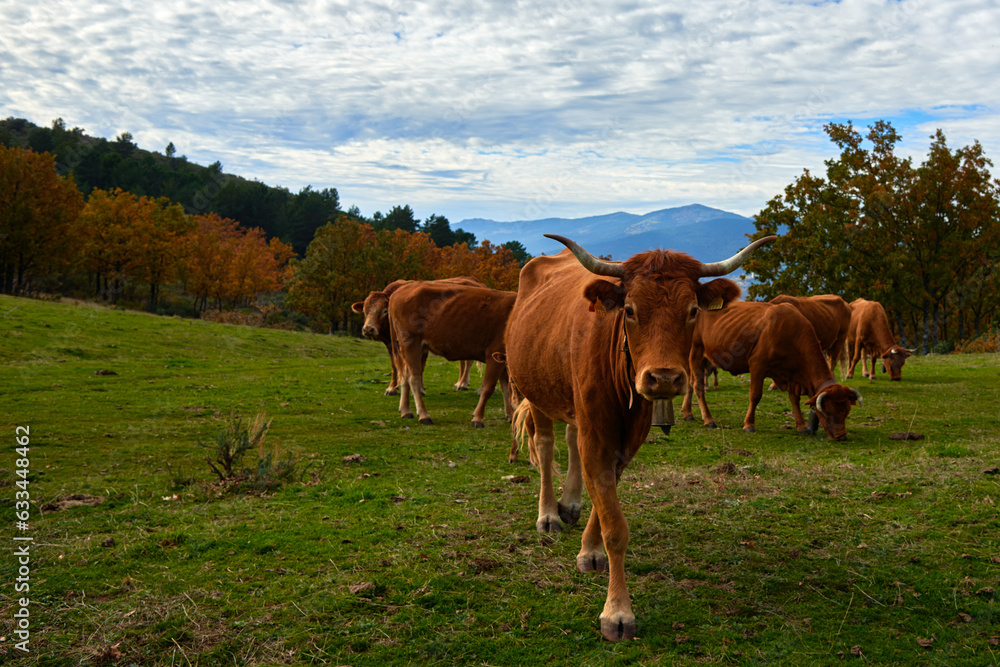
(715, 294)
(358, 307)
(604, 294)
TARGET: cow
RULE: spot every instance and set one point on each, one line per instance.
(453, 321)
(593, 343)
(375, 308)
(830, 317)
(769, 340)
(870, 336)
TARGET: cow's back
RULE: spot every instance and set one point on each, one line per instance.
(455, 321)
(543, 330)
(870, 324)
(829, 315)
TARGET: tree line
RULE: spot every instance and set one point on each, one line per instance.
(924, 240)
(134, 249)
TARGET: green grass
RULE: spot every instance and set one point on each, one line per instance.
(424, 553)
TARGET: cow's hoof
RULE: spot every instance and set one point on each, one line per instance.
(749, 429)
(592, 562)
(548, 524)
(711, 425)
(459, 388)
(569, 514)
(476, 424)
(407, 416)
(427, 421)
(391, 392)
(617, 627)
(689, 418)
(512, 459)
(807, 431)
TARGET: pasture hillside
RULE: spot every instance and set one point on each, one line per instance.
(771, 548)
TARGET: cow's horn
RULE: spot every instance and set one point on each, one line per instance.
(728, 266)
(857, 396)
(591, 263)
(819, 404)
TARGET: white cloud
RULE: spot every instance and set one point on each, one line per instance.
(496, 110)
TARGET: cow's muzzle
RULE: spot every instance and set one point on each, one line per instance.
(369, 331)
(661, 383)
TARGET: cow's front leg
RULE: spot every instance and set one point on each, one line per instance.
(592, 557)
(600, 473)
(548, 510)
(413, 381)
(404, 398)
(393, 387)
(699, 390)
(756, 393)
(794, 397)
(570, 502)
(464, 367)
(490, 376)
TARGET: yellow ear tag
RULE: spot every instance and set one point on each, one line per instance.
(599, 307)
(717, 304)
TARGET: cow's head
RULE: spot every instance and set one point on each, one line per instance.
(656, 297)
(831, 405)
(375, 308)
(893, 360)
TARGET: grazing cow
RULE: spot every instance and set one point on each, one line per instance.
(455, 322)
(870, 336)
(592, 343)
(830, 317)
(375, 308)
(769, 340)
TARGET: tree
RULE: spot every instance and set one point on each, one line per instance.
(210, 252)
(400, 217)
(170, 151)
(39, 220)
(439, 229)
(158, 245)
(309, 210)
(324, 283)
(520, 253)
(919, 240)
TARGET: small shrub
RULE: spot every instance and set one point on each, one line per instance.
(943, 347)
(232, 443)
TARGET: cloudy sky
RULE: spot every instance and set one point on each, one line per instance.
(508, 110)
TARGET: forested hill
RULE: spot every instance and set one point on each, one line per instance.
(97, 163)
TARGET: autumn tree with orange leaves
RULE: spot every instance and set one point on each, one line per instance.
(39, 215)
(224, 263)
(348, 259)
(130, 238)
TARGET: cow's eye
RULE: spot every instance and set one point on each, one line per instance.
(693, 313)
(629, 311)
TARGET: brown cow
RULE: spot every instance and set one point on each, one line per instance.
(769, 340)
(455, 322)
(830, 317)
(870, 336)
(375, 308)
(592, 343)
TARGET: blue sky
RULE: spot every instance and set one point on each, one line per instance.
(508, 110)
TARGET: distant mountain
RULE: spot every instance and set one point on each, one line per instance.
(706, 233)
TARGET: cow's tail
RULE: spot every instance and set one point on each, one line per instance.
(522, 427)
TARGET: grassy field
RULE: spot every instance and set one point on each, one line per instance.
(772, 548)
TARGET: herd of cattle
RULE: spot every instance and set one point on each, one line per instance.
(598, 344)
